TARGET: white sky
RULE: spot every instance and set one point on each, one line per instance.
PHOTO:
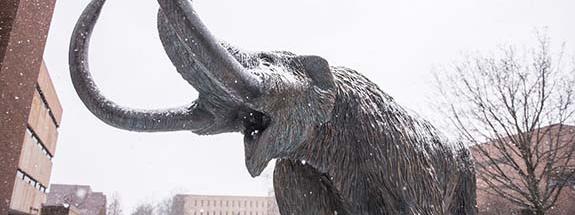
(395, 43)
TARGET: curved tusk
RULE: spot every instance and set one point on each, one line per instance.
(190, 117)
(220, 65)
(190, 68)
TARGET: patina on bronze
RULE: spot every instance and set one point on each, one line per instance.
(343, 146)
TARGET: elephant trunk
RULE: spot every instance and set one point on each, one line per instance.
(190, 117)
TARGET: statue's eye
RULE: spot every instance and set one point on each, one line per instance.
(266, 59)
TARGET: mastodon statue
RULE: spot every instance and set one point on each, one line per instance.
(342, 145)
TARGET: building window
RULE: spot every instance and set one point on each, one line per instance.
(38, 143)
(29, 180)
(45, 105)
(19, 175)
(29, 134)
(34, 140)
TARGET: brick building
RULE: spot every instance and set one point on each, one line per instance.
(29, 109)
(224, 205)
(80, 197)
(491, 203)
(59, 210)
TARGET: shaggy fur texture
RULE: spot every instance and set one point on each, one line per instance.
(374, 158)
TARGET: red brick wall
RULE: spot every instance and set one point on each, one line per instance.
(488, 203)
(24, 28)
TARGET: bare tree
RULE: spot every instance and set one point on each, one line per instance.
(144, 209)
(114, 205)
(513, 109)
(166, 206)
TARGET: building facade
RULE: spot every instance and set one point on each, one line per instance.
(59, 210)
(224, 205)
(490, 203)
(80, 197)
(29, 110)
(37, 148)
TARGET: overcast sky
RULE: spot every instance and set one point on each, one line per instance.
(394, 43)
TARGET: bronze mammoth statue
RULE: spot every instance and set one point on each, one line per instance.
(342, 145)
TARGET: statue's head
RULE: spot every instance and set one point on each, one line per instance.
(276, 99)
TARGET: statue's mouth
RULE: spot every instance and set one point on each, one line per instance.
(255, 123)
(256, 154)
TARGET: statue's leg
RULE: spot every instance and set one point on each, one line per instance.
(301, 190)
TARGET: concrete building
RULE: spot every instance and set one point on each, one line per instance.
(80, 197)
(224, 205)
(29, 109)
(490, 203)
(37, 149)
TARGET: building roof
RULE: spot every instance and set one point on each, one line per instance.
(81, 197)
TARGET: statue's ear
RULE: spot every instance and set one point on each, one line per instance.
(321, 76)
(318, 70)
